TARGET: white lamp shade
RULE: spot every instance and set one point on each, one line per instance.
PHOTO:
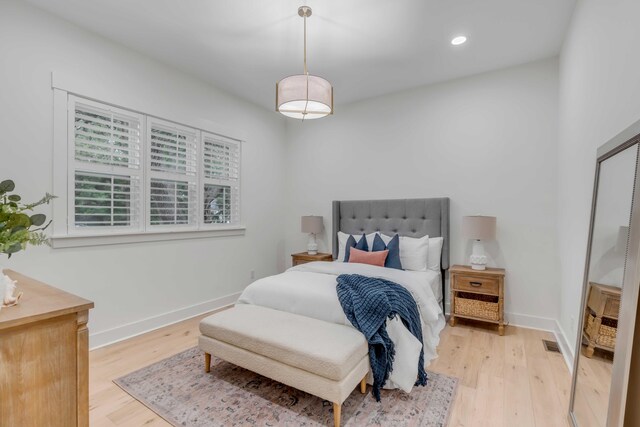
(479, 227)
(311, 224)
(304, 97)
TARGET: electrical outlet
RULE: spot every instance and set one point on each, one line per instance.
(253, 274)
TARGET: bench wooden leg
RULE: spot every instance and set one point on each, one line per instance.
(207, 362)
(363, 385)
(336, 414)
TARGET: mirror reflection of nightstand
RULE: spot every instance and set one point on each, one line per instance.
(601, 317)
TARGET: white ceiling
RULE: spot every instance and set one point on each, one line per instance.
(365, 48)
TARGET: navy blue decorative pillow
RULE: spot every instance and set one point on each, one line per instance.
(351, 243)
(393, 258)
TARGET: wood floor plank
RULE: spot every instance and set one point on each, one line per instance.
(504, 381)
(518, 407)
(464, 407)
(544, 396)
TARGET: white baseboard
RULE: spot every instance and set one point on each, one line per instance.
(525, 321)
(565, 346)
(129, 330)
(530, 322)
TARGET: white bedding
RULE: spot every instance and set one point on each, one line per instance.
(433, 279)
(310, 290)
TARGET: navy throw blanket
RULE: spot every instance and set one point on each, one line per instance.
(368, 302)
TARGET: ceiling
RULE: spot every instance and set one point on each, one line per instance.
(365, 48)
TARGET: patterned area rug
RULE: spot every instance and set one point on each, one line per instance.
(181, 392)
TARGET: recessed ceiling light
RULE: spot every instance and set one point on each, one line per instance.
(458, 40)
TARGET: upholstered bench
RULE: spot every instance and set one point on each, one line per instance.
(321, 358)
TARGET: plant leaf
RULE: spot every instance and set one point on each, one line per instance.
(19, 219)
(38, 219)
(7, 185)
(14, 230)
(14, 248)
(14, 198)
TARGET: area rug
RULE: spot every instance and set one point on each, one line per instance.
(178, 390)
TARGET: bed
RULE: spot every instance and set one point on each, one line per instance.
(406, 217)
(310, 289)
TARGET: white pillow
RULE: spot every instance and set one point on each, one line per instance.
(414, 253)
(342, 243)
(435, 253)
(370, 238)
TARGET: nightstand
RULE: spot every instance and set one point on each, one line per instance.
(303, 257)
(477, 295)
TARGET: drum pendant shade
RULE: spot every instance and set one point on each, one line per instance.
(304, 96)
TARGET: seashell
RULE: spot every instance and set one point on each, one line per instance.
(9, 288)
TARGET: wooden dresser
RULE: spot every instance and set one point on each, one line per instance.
(44, 357)
(303, 257)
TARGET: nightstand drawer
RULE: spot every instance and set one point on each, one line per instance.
(304, 257)
(485, 285)
(612, 308)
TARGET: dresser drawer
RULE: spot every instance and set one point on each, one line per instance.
(485, 285)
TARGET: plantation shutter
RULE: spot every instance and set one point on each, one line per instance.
(105, 180)
(173, 174)
(221, 179)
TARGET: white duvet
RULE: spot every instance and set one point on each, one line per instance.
(310, 290)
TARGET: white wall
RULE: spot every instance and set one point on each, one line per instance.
(132, 282)
(599, 97)
(488, 142)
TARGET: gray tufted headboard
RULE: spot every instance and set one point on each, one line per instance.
(406, 217)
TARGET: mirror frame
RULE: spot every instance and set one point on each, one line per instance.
(630, 285)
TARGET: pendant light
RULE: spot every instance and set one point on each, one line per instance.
(304, 96)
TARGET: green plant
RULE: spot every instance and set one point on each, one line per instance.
(17, 227)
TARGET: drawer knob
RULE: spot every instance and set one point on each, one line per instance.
(475, 284)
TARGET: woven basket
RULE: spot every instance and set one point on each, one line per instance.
(481, 306)
(606, 335)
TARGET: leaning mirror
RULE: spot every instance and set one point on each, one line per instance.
(606, 331)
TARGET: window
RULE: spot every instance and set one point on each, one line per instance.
(134, 173)
(173, 174)
(221, 158)
(107, 171)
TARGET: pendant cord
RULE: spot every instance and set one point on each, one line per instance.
(306, 72)
(305, 45)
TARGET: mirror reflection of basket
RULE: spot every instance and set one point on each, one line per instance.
(606, 333)
(475, 305)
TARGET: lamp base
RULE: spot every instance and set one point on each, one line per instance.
(312, 246)
(478, 259)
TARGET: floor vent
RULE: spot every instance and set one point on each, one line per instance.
(551, 346)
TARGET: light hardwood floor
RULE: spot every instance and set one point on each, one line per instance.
(593, 388)
(504, 381)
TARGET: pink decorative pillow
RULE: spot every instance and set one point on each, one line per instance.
(372, 258)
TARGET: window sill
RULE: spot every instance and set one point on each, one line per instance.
(78, 241)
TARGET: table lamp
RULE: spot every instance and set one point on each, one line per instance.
(479, 228)
(312, 225)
